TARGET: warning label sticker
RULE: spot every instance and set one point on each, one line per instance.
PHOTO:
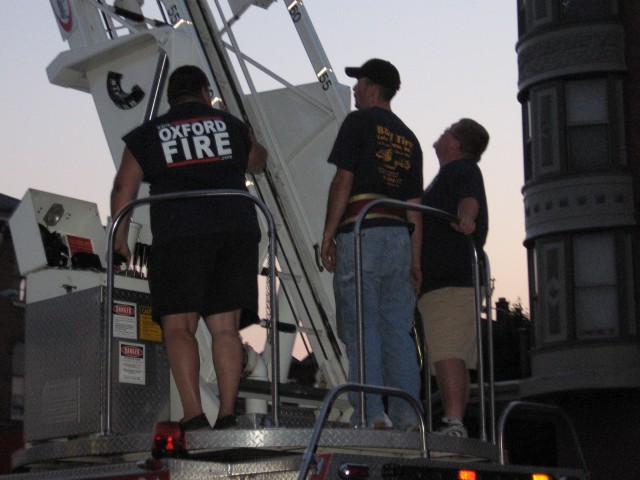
(79, 245)
(149, 330)
(124, 320)
(131, 364)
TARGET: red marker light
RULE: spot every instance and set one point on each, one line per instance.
(168, 441)
(354, 471)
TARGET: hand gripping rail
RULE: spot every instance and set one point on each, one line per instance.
(359, 301)
(108, 314)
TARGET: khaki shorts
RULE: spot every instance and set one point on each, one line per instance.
(449, 322)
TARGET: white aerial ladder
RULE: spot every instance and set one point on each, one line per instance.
(124, 62)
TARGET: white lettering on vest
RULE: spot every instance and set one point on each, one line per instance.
(195, 140)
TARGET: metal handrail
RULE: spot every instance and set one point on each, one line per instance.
(490, 361)
(108, 314)
(327, 403)
(538, 408)
(359, 302)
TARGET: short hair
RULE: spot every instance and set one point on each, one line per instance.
(185, 81)
(473, 137)
(384, 93)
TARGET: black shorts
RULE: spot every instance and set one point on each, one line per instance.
(207, 275)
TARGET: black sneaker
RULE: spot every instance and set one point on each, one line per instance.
(196, 423)
(226, 422)
(450, 427)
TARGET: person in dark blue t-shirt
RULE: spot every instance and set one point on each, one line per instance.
(377, 156)
(204, 259)
(447, 304)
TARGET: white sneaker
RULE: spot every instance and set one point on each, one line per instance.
(450, 427)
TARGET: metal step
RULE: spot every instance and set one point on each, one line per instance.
(283, 439)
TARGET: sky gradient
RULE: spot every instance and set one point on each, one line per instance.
(456, 59)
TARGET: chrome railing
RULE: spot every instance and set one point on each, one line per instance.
(359, 306)
(108, 314)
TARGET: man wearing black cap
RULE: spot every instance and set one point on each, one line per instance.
(377, 156)
(204, 260)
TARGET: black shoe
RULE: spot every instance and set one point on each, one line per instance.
(223, 423)
(196, 423)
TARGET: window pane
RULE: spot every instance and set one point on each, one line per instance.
(596, 312)
(587, 102)
(588, 147)
(585, 9)
(595, 277)
(541, 9)
(594, 260)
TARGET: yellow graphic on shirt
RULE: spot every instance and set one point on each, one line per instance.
(395, 152)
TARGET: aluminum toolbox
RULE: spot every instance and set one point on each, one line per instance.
(66, 366)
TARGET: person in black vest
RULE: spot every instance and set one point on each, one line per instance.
(447, 304)
(204, 258)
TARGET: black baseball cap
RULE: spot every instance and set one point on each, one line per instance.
(378, 71)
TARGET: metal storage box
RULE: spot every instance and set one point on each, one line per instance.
(76, 221)
(66, 366)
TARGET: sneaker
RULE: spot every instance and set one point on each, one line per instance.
(226, 422)
(385, 424)
(450, 427)
(199, 422)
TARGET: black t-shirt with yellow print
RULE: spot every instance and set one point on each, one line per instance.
(383, 154)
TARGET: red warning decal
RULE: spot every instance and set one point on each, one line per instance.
(62, 11)
(131, 351)
(120, 309)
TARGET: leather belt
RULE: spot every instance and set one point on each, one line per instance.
(358, 202)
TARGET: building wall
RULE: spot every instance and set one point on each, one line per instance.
(579, 86)
(630, 17)
(578, 89)
(11, 340)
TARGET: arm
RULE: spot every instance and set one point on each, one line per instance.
(336, 204)
(468, 209)
(415, 217)
(125, 190)
(257, 157)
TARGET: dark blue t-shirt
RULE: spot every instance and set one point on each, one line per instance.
(446, 257)
(195, 147)
(383, 154)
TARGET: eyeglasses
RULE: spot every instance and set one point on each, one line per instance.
(450, 130)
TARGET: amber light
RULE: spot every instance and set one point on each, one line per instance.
(168, 441)
(540, 476)
(466, 475)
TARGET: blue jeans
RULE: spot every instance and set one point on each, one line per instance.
(388, 312)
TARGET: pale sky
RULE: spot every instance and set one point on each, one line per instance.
(456, 59)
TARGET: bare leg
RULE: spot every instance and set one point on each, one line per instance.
(184, 360)
(453, 381)
(227, 357)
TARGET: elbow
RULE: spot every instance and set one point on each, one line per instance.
(257, 162)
